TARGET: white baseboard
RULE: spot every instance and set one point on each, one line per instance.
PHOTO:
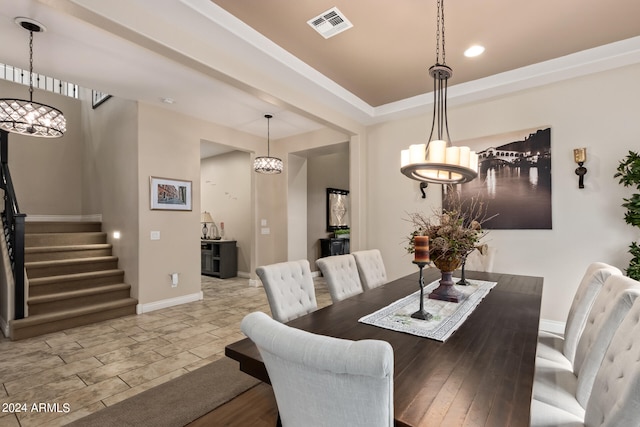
(552, 326)
(255, 283)
(64, 218)
(243, 274)
(166, 303)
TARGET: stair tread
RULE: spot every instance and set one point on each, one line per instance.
(88, 260)
(73, 276)
(77, 293)
(70, 313)
(60, 248)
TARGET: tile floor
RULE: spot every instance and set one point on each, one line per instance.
(84, 369)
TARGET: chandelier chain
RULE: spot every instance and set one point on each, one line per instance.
(30, 65)
(440, 34)
(444, 61)
(268, 136)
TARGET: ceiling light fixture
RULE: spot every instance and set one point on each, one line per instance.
(28, 117)
(473, 51)
(268, 165)
(438, 161)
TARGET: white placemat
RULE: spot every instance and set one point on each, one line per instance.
(447, 316)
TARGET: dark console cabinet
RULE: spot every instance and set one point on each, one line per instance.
(219, 258)
(334, 246)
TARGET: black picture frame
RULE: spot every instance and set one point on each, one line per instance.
(97, 98)
(337, 209)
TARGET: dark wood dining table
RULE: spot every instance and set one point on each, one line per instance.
(481, 376)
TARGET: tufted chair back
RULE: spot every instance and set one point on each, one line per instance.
(481, 259)
(592, 281)
(322, 381)
(342, 276)
(370, 268)
(612, 304)
(615, 398)
(289, 288)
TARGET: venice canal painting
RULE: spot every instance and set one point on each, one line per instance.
(514, 178)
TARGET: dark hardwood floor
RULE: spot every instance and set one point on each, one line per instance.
(255, 407)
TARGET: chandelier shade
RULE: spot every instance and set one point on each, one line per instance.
(438, 161)
(29, 117)
(267, 164)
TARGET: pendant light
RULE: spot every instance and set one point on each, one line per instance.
(268, 165)
(29, 117)
(438, 161)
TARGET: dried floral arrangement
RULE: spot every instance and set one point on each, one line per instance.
(453, 232)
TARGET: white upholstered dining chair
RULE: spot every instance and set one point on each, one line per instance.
(370, 268)
(551, 345)
(569, 387)
(341, 273)
(322, 381)
(614, 397)
(289, 287)
(481, 259)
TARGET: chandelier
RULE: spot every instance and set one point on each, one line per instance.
(29, 117)
(268, 165)
(438, 161)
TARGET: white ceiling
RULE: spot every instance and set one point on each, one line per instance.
(213, 65)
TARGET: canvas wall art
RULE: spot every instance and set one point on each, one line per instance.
(514, 178)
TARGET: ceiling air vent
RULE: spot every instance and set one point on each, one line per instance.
(330, 23)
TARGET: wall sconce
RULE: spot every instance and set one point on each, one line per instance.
(580, 156)
(423, 186)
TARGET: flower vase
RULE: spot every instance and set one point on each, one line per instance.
(447, 290)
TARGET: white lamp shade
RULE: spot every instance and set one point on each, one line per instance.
(465, 153)
(205, 217)
(437, 151)
(405, 158)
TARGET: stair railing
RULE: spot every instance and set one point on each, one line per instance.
(13, 222)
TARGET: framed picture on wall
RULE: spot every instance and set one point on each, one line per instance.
(98, 98)
(514, 179)
(170, 194)
(337, 209)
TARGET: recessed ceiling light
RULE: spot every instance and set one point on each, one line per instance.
(474, 50)
(168, 100)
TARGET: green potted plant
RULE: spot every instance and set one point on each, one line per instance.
(629, 173)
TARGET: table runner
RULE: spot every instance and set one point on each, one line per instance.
(447, 316)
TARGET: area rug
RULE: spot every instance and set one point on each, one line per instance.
(447, 316)
(176, 402)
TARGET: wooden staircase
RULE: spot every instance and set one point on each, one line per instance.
(73, 278)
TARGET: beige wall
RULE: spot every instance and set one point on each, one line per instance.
(169, 147)
(225, 192)
(297, 212)
(327, 171)
(47, 172)
(110, 174)
(598, 112)
(167, 150)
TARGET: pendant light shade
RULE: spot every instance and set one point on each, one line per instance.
(29, 117)
(438, 161)
(267, 164)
